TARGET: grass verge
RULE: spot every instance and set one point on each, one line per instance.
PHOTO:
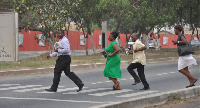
(41, 61)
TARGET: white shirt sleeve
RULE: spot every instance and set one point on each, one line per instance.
(53, 54)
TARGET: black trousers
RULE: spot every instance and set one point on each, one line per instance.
(140, 69)
(63, 64)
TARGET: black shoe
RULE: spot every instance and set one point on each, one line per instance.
(191, 85)
(136, 82)
(145, 88)
(50, 90)
(194, 81)
(80, 87)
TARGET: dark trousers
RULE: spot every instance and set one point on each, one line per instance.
(140, 69)
(63, 64)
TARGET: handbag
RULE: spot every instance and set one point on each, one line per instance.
(104, 54)
(185, 49)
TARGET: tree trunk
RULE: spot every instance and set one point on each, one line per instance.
(68, 29)
(89, 32)
(197, 34)
(192, 35)
(85, 41)
(158, 42)
(145, 40)
(127, 39)
(191, 24)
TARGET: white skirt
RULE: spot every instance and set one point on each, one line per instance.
(185, 61)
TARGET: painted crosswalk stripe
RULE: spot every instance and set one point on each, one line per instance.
(19, 87)
(87, 91)
(111, 92)
(3, 85)
(108, 81)
(33, 89)
(63, 90)
(137, 94)
(172, 72)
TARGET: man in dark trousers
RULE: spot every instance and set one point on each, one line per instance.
(63, 63)
(139, 61)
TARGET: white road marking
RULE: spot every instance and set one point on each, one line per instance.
(94, 83)
(172, 72)
(111, 92)
(107, 81)
(136, 94)
(87, 91)
(33, 89)
(46, 99)
(131, 78)
(62, 90)
(18, 87)
(166, 73)
(8, 85)
(123, 79)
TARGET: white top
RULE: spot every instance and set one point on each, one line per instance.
(65, 50)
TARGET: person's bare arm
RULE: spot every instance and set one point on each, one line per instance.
(117, 49)
(183, 41)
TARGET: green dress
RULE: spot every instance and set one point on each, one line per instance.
(112, 68)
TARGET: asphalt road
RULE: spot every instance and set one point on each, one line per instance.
(28, 91)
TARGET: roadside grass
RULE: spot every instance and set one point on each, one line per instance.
(41, 61)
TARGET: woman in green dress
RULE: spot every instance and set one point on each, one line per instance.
(112, 69)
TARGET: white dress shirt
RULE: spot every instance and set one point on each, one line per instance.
(65, 50)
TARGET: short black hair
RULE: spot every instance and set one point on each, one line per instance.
(62, 31)
(179, 28)
(115, 34)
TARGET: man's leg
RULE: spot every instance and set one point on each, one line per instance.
(141, 74)
(131, 71)
(57, 75)
(72, 75)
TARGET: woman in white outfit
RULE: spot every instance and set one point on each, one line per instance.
(184, 61)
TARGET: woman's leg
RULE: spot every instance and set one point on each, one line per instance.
(191, 80)
(116, 84)
(186, 72)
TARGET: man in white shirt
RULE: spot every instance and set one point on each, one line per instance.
(63, 64)
(139, 61)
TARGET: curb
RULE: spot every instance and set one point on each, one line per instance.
(154, 99)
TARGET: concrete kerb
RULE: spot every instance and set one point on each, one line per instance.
(154, 99)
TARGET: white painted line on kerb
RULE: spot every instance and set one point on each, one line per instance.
(87, 91)
(111, 92)
(18, 87)
(46, 99)
(33, 89)
(62, 90)
(8, 85)
(137, 94)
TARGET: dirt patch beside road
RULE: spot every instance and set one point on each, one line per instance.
(193, 102)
